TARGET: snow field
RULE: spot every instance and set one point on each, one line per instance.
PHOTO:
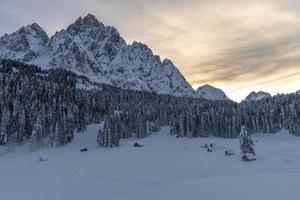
(166, 168)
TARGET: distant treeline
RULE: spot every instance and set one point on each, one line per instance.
(46, 107)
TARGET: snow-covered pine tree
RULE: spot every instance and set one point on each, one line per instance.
(108, 136)
(36, 140)
(182, 126)
(5, 126)
(28, 93)
(246, 142)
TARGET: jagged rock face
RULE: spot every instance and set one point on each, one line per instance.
(86, 46)
(298, 92)
(256, 96)
(89, 48)
(25, 44)
(211, 93)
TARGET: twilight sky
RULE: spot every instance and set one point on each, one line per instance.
(238, 46)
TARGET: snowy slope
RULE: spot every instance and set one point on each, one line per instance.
(166, 168)
(211, 93)
(256, 96)
(26, 44)
(89, 48)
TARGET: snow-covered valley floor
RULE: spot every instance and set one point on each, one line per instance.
(166, 168)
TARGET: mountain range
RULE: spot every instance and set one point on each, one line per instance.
(98, 52)
(89, 48)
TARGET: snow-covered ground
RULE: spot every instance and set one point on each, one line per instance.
(166, 168)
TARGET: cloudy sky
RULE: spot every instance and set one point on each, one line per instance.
(238, 46)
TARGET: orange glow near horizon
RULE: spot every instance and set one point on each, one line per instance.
(252, 46)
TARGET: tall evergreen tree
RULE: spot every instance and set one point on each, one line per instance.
(246, 142)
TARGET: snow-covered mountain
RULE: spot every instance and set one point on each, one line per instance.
(256, 96)
(26, 44)
(211, 93)
(89, 48)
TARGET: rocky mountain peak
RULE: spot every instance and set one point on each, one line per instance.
(211, 93)
(90, 19)
(25, 44)
(38, 32)
(256, 96)
(88, 23)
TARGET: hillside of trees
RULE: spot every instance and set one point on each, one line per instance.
(46, 107)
